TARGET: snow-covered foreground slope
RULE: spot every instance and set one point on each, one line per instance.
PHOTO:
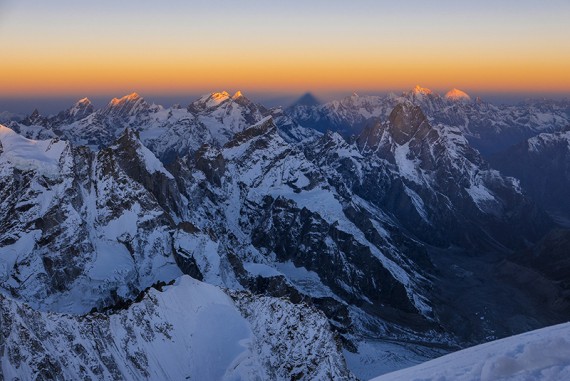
(188, 331)
(541, 355)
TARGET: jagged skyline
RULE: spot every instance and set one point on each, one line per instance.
(25, 105)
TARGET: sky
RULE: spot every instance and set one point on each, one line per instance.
(69, 49)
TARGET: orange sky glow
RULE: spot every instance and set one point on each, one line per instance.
(60, 53)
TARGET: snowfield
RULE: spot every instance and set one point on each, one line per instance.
(26, 154)
(541, 355)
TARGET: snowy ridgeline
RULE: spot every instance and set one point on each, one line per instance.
(188, 331)
(541, 355)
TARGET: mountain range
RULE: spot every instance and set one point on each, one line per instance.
(320, 241)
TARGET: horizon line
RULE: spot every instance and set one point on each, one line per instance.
(266, 98)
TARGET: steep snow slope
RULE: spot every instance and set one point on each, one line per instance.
(541, 355)
(25, 154)
(189, 330)
(80, 230)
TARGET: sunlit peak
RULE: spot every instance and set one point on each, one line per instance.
(421, 90)
(237, 95)
(223, 94)
(456, 95)
(83, 101)
(126, 98)
(215, 99)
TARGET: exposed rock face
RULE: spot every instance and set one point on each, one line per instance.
(140, 164)
(34, 118)
(266, 190)
(96, 228)
(276, 322)
(441, 189)
(406, 122)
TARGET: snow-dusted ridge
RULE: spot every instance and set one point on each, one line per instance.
(489, 127)
(27, 154)
(188, 330)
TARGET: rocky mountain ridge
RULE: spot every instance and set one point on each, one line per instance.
(489, 128)
(247, 200)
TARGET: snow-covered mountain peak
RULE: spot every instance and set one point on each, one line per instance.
(81, 108)
(126, 106)
(332, 138)
(418, 90)
(457, 95)
(34, 118)
(133, 97)
(217, 98)
(130, 135)
(210, 101)
(83, 101)
(242, 100)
